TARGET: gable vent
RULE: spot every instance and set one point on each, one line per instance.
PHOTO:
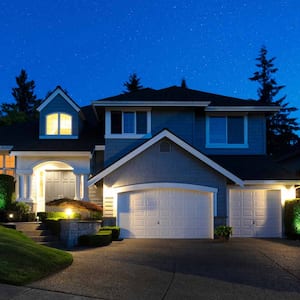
(165, 147)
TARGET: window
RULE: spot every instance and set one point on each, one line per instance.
(128, 123)
(58, 124)
(226, 131)
(7, 165)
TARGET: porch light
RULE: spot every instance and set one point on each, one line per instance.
(68, 212)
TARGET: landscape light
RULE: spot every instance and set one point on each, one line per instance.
(68, 212)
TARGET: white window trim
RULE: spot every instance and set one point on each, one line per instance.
(58, 136)
(226, 145)
(109, 135)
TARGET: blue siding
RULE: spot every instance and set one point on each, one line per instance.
(256, 138)
(176, 166)
(181, 122)
(59, 104)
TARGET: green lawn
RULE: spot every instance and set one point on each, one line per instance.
(23, 261)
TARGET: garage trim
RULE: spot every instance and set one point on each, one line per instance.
(182, 186)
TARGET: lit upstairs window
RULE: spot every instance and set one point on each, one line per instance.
(58, 124)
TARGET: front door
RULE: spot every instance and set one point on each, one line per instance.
(59, 184)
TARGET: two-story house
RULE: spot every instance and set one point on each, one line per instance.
(169, 163)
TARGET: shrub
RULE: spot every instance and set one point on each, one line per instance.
(53, 226)
(102, 238)
(223, 231)
(7, 187)
(115, 230)
(20, 211)
(292, 218)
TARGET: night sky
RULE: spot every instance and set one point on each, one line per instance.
(91, 47)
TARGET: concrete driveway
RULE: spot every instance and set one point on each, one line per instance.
(178, 269)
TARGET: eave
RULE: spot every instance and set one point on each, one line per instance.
(151, 103)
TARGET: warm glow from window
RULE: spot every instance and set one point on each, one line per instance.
(9, 161)
(65, 124)
(52, 124)
(59, 124)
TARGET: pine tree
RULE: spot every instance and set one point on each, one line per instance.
(133, 83)
(281, 127)
(26, 102)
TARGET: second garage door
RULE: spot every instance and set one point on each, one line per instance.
(165, 213)
(255, 213)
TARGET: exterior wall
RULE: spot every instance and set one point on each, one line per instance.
(256, 138)
(59, 104)
(177, 166)
(190, 125)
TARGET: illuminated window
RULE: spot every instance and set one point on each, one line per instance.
(7, 165)
(59, 124)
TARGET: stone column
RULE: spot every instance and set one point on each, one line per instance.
(21, 187)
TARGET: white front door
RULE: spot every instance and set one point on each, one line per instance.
(166, 213)
(255, 213)
(59, 184)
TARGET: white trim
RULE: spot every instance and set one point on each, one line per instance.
(271, 182)
(125, 103)
(109, 135)
(52, 153)
(165, 134)
(58, 136)
(243, 108)
(58, 91)
(208, 144)
(99, 148)
(165, 185)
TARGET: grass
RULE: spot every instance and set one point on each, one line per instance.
(23, 261)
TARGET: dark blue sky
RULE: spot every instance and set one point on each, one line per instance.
(91, 47)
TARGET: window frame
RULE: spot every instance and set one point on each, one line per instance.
(131, 135)
(226, 145)
(59, 128)
(3, 168)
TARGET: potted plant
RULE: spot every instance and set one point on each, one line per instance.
(223, 232)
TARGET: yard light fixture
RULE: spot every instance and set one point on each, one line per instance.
(69, 212)
(11, 216)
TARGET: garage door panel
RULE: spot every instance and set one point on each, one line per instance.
(263, 220)
(168, 213)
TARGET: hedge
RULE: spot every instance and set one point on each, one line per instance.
(115, 230)
(292, 218)
(7, 187)
(102, 238)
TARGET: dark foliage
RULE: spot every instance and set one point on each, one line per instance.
(133, 83)
(292, 219)
(25, 104)
(281, 127)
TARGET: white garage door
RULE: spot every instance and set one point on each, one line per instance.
(255, 213)
(165, 213)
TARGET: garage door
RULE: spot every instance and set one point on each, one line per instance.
(255, 213)
(165, 213)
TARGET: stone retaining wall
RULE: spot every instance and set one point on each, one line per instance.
(71, 230)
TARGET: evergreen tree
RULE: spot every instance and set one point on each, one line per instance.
(183, 84)
(133, 83)
(281, 127)
(26, 102)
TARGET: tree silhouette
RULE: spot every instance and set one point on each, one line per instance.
(26, 102)
(281, 128)
(133, 83)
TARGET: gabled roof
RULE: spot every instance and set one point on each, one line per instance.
(165, 134)
(25, 136)
(179, 96)
(58, 91)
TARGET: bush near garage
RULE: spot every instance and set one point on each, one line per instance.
(102, 238)
(292, 218)
(115, 230)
